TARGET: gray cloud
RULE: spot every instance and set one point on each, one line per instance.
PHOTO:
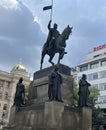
(20, 37)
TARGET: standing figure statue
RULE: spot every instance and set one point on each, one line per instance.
(20, 94)
(83, 91)
(52, 35)
(54, 86)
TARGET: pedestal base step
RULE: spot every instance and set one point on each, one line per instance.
(18, 128)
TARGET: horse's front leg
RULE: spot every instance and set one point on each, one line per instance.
(60, 57)
(50, 60)
(61, 54)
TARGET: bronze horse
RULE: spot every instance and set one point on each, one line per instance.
(58, 46)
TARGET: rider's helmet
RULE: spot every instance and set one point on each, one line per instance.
(55, 26)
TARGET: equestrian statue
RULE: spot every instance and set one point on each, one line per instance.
(56, 43)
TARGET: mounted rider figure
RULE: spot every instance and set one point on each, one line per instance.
(52, 35)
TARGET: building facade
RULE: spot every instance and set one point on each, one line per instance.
(8, 83)
(95, 68)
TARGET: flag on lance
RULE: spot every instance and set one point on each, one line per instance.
(50, 7)
(47, 7)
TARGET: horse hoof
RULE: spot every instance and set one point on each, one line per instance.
(65, 52)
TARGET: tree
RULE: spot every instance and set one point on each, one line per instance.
(94, 93)
(75, 95)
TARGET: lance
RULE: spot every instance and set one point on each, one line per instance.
(49, 7)
(51, 11)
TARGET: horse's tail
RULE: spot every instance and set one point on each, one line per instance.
(43, 53)
(44, 48)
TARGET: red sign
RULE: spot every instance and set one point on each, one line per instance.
(99, 47)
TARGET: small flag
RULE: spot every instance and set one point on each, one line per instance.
(47, 7)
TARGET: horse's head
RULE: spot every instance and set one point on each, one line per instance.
(67, 31)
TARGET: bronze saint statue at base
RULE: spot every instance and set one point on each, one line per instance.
(54, 87)
(83, 92)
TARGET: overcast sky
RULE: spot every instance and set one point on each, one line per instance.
(23, 30)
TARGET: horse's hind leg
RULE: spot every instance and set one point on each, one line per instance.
(50, 60)
(59, 59)
(43, 55)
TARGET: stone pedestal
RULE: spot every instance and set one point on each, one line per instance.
(40, 85)
(77, 118)
(86, 118)
(52, 116)
(12, 116)
(42, 114)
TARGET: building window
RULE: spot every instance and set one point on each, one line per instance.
(7, 84)
(105, 86)
(93, 76)
(95, 85)
(102, 86)
(4, 115)
(102, 74)
(102, 99)
(103, 63)
(6, 95)
(97, 55)
(1, 83)
(0, 95)
(5, 107)
(79, 78)
(75, 78)
(95, 65)
(83, 68)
